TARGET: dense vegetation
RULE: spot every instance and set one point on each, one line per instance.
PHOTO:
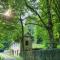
(39, 17)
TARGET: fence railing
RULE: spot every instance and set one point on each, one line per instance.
(40, 54)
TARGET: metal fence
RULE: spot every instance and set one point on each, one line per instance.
(40, 54)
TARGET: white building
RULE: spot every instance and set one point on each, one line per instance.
(15, 49)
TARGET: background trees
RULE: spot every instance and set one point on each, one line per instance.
(40, 18)
(48, 17)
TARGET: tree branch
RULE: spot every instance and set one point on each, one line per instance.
(34, 24)
(31, 8)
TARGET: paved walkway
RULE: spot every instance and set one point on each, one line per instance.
(7, 57)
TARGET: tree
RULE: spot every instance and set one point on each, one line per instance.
(46, 13)
(43, 13)
(9, 29)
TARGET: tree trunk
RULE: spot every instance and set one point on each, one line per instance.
(22, 39)
(50, 25)
(51, 38)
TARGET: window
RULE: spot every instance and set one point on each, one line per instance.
(26, 43)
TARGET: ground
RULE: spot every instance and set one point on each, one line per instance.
(8, 57)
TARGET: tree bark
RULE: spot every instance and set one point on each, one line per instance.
(22, 39)
(51, 38)
(50, 25)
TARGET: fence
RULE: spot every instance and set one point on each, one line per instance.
(40, 54)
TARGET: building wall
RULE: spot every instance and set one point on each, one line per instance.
(15, 49)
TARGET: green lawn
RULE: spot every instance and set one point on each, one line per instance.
(19, 58)
(38, 46)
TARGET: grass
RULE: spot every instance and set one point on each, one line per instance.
(1, 58)
(19, 58)
(38, 46)
(58, 46)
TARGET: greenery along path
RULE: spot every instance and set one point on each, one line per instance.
(7, 57)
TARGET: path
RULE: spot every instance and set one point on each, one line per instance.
(7, 57)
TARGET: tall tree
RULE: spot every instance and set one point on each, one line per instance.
(45, 7)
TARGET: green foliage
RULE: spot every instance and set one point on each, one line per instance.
(10, 30)
(48, 15)
(1, 46)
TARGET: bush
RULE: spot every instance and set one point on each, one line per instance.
(1, 47)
